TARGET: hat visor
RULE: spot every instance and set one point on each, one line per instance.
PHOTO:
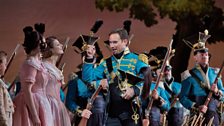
(202, 50)
(168, 67)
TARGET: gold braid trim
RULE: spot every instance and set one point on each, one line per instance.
(143, 58)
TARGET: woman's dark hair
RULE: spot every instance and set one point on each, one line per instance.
(50, 43)
(33, 39)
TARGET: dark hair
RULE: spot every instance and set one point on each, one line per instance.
(50, 43)
(33, 39)
(122, 33)
(3, 54)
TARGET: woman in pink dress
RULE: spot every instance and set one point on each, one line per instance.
(32, 105)
(50, 56)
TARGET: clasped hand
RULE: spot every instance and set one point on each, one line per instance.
(129, 93)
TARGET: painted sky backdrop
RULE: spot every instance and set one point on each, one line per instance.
(70, 18)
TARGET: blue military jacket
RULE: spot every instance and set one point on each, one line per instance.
(173, 90)
(78, 93)
(162, 94)
(193, 93)
(129, 62)
(156, 108)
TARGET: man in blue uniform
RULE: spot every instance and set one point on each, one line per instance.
(120, 105)
(198, 81)
(76, 98)
(161, 102)
(79, 92)
(173, 88)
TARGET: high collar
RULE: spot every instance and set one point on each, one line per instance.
(126, 50)
(169, 81)
(204, 69)
(121, 54)
(53, 70)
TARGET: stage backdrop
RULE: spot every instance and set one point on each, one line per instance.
(70, 18)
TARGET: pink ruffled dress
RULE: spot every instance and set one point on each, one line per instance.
(33, 71)
(59, 111)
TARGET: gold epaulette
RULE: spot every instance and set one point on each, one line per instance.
(185, 75)
(143, 58)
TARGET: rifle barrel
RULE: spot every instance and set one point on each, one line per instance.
(11, 58)
(65, 46)
(161, 73)
(215, 82)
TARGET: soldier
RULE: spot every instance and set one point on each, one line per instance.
(198, 81)
(6, 104)
(161, 102)
(172, 88)
(176, 113)
(76, 98)
(120, 106)
(79, 91)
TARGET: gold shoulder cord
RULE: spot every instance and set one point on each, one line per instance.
(143, 58)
